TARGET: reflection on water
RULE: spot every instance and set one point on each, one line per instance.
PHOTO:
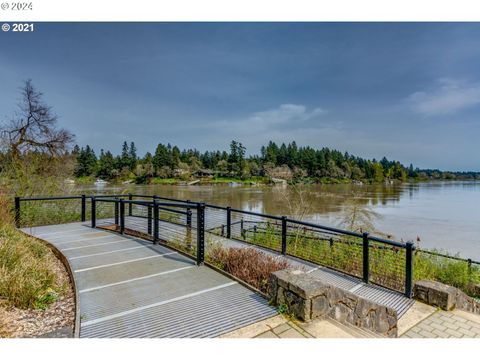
(442, 214)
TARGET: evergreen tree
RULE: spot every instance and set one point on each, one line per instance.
(125, 156)
(161, 158)
(86, 162)
(132, 154)
(106, 165)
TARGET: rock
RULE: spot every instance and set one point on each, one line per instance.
(476, 290)
(381, 321)
(297, 305)
(435, 293)
(308, 298)
(307, 287)
(319, 306)
(362, 308)
(272, 288)
(284, 278)
(280, 296)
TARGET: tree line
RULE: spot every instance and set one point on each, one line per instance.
(285, 161)
(31, 144)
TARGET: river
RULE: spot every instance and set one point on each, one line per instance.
(442, 214)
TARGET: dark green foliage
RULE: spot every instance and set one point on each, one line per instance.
(86, 161)
(106, 165)
(304, 163)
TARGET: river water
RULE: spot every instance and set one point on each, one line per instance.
(443, 215)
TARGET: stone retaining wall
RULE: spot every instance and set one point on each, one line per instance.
(308, 298)
(444, 296)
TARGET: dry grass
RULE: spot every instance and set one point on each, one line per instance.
(28, 277)
(250, 265)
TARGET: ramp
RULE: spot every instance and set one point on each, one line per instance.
(131, 288)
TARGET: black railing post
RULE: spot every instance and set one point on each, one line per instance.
(155, 221)
(130, 197)
(200, 233)
(122, 216)
(366, 258)
(116, 211)
(94, 212)
(409, 269)
(84, 204)
(284, 235)
(229, 222)
(189, 215)
(17, 211)
(149, 220)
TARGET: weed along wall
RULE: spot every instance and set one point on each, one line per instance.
(307, 298)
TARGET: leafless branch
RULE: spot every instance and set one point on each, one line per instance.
(34, 127)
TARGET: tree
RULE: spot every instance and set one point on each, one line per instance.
(175, 157)
(236, 158)
(161, 158)
(86, 162)
(132, 154)
(106, 165)
(377, 172)
(125, 156)
(34, 127)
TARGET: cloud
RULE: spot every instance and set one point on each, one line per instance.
(449, 96)
(284, 114)
(284, 123)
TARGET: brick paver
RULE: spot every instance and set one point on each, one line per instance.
(443, 324)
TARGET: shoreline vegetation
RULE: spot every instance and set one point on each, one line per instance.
(253, 181)
(285, 163)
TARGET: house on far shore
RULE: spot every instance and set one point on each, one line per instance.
(204, 173)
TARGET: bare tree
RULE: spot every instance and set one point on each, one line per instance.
(358, 215)
(34, 127)
(297, 202)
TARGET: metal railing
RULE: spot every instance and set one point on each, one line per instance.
(153, 210)
(372, 259)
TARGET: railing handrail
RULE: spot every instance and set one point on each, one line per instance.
(45, 198)
(185, 204)
(167, 198)
(147, 203)
(156, 203)
(448, 256)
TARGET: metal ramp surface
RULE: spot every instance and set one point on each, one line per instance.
(372, 292)
(129, 287)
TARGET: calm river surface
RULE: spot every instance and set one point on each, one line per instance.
(444, 215)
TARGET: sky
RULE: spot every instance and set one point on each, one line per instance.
(407, 91)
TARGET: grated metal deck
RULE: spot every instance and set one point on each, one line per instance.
(375, 293)
(131, 288)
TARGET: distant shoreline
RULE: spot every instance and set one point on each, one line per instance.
(257, 181)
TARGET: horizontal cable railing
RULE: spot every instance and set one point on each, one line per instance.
(183, 224)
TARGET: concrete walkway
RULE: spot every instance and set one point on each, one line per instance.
(128, 287)
(281, 327)
(446, 324)
(420, 321)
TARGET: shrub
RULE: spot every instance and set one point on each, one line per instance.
(250, 265)
(27, 271)
(448, 271)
